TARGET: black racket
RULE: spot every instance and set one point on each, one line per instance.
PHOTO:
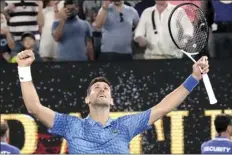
(189, 31)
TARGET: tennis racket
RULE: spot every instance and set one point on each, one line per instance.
(189, 31)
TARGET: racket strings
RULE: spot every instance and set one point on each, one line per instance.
(191, 30)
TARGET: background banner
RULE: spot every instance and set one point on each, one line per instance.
(137, 86)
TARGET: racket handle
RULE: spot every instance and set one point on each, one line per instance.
(209, 89)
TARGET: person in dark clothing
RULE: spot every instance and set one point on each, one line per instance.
(141, 6)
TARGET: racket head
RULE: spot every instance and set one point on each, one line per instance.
(188, 28)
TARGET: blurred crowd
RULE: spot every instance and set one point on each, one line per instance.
(81, 30)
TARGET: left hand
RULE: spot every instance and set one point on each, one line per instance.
(200, 67)
(4, 31)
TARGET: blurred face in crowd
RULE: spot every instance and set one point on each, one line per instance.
(52, 3)
(73, 10)
(99, 95)
(28, 43)
(118, 2)
(161, 2)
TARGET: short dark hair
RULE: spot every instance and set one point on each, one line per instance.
(69, 2)
(95, 80)
(3, 129)
(27, 34)
(222, 122)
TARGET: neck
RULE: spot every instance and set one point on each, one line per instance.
(224, 134)
(4, 139)
(118, 6)
(100, 114)
(161, 7)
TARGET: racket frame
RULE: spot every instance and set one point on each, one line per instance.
(205, 77)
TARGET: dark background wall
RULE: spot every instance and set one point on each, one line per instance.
(137, 86)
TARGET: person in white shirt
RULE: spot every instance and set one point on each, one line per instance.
(152, 31)
(47, 44)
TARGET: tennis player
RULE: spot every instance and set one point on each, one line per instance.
(98, 133)
(221, 144)
(5, 147)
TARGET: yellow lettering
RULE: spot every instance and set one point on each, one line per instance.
(30, 130)
(177, 131)
(229, 112)
(212, 114)
(64, 145)
(159, 130)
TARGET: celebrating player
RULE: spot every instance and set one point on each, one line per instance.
(98, 133)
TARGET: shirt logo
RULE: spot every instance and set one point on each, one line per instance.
(3, 42)
(4, 152)
(116, 131)
(216, 149)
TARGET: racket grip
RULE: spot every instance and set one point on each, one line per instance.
(209, 89)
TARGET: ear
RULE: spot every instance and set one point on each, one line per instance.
(112, 101)
(87, 99)
(229, 128)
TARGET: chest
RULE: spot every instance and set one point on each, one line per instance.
(90, 138)
(75, 28)
(125, 18)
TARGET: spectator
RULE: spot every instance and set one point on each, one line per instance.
(152, 32)
(97, 34)
(29, 43)
(48, 45)
(89, 5)
(117, 21)
(6, 148)
(141, 6)
(31, 14)
(6, 40)
(220, 43)
(73, 35)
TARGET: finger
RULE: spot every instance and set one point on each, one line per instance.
(23, 54)
(205, 59)
(20, 55)
(30, 54)
(202, 63)
(205, 71)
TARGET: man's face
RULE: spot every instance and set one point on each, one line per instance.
(117, 2)
(73, 10)
(100, 95)
(28, 43)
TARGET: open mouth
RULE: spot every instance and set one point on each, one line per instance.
(102, 96)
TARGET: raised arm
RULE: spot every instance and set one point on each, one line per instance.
(57, 27)
(176, 97)
(101, 17)
(30, 96)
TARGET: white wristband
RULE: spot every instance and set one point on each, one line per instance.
(24, 74)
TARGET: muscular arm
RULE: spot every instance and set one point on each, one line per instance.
(10, 40)
(33, 105)
(170, 102)
(58, 31)
(101, 18)
(176, 97)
